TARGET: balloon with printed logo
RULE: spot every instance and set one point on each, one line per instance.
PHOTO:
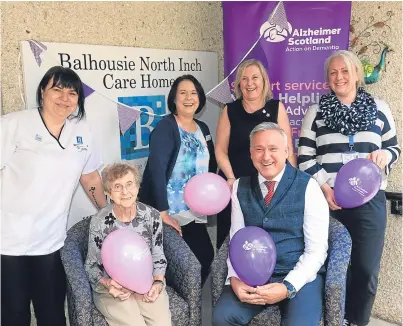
(357, 182)
(253, 255)
(207, 193)
(127, 259)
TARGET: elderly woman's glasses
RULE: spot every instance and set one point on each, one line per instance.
(119, 188)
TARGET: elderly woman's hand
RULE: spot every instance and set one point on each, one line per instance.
(379, 157)
(171, 221)
(154, 292)
(116, 290)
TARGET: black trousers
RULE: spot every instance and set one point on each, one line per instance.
(37, 278)
(366, 225)
(223, 224)
(198, 240)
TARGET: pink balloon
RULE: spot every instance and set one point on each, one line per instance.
(127, 259)
(207, 194)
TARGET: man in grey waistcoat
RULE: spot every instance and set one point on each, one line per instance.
(291, 207)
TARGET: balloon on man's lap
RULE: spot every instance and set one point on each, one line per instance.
(253, 255)
(127, 259)
(207, 193)
(357, 182)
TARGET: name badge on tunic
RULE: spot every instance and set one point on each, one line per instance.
(349, 156)
(79, 145)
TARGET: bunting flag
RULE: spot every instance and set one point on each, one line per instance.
(127, 116)
(37, 49)
(278, 17)
(87, 90)
(278, 20)
(222, 92)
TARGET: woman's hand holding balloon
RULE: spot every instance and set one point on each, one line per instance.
(246, 293)
(272, 293)
(171, 221)
(329, 195)
(116, 290)
(379, 157)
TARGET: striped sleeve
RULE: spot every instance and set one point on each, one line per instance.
(307, 161)
(389, 139)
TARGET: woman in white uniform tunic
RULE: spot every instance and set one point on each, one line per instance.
(45, 153)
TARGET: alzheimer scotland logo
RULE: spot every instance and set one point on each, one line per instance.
(278, 29)
(274, 33)
(355, 186)
(255, 247)
(354, 181)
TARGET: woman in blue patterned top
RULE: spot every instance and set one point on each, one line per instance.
(181, 147)
(120, 306)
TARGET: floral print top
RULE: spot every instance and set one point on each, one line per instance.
(193, 158)
(147, 223)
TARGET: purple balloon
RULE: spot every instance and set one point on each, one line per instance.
(357, 182)
(207, 193)
(127, 259)
(253, 255)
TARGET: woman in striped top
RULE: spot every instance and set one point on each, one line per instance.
(349, 123)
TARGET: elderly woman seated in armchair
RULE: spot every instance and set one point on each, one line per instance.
(119, 305)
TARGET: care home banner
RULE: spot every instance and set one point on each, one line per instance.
(292, 40)
(126, 90)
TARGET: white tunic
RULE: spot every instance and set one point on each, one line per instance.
(39, 175)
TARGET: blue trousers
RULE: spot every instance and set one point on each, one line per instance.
(366, 225)
(305, 309)
(40, 279)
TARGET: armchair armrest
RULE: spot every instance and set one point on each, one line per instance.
(336, 274)
(79, 295)
(183, 272)
(219, 271)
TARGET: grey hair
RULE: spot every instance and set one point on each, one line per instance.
(116, 171)
(268, 126)
(351, 61)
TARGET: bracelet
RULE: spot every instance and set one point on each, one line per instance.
(231, 179)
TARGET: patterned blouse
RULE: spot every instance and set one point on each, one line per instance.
(193, 158)
(147, 223)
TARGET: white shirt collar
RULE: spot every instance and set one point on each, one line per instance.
(277, 178)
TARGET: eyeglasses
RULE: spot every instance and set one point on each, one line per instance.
(119, 188)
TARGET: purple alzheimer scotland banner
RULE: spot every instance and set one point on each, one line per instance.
(292, 40)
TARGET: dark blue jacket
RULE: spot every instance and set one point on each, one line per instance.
(164, 148)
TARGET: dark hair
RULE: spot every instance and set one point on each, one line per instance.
(64, 78)
(174, 88)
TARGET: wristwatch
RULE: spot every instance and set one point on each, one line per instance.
(159, 282)
(291, 292)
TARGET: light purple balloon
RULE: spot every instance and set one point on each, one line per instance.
(207, 193)
(253, 255)
(127, 259)
(357, 182)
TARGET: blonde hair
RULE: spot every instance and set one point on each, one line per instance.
(116, 171)
(351, 61)
(267, 93)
